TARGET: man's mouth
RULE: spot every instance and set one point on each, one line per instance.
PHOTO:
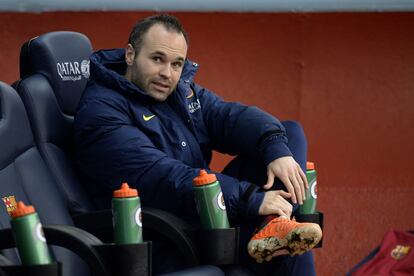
(161, 85)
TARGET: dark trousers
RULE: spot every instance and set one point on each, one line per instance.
(252, 169)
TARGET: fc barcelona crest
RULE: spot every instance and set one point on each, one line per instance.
(400, 251)
(10, 202)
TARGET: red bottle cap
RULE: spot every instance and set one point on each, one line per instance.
(22, 210)
(204, 178)
(125, 191)
(310, 166)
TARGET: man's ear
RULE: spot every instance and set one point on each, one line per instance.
(129, 54)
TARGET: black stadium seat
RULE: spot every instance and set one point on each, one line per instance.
(25, 176)
(54, 69)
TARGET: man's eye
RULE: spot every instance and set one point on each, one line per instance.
(177, 64)
(156, 59)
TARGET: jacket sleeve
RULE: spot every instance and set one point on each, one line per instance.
(238, 129)
(111, 149)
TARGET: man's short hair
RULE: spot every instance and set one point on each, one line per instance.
(171, 23)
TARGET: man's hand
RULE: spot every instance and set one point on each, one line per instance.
(274, 203)
(290, 173)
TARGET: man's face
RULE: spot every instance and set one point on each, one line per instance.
(157, 67)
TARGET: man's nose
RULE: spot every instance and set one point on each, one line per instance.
(165, 71)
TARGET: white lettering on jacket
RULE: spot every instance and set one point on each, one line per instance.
(194, 106)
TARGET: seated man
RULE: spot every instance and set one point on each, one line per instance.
(144, 121)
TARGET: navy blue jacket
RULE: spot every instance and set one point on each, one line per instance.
(122, 134)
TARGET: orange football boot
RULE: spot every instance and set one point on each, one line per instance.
(283, 234)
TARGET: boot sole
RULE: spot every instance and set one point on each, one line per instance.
(297, 242)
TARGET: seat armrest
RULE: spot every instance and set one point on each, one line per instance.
(175, 229)
(154, 220)
(4, 261)
(98, 223)
(78, 241)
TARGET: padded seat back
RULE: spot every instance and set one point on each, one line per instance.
(25, 177)
(54, 69)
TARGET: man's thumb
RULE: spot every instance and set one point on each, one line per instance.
(270, 180)
(285, 194)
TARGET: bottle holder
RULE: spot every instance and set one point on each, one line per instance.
(53, 269)
(219, 246)
(317, 218)
(126, 259)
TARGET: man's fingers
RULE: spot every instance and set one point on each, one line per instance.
(302, 186)
(270, 180)
(284, 194)
(282, 213)
(274, 203)
(298, 190)
(287, 210)
(283, 206)
(289, 188)
(303, 176)
(287, 207)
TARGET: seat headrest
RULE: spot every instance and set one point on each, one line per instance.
(15, 132)
(63, 58)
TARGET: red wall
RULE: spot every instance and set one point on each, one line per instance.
(348, 78)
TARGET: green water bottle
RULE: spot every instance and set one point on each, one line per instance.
(127, 217)
(29, 236)
(309, 205)
(210, 202)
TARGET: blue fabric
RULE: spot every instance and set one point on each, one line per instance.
(204, 270)
(160, 156)
(284, 265)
